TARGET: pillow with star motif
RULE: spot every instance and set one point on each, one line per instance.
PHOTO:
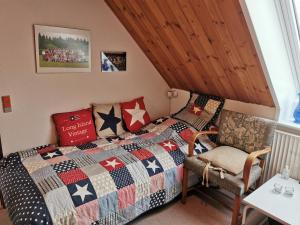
(202, 111)
(134, 114)
(108, 120)
(195, 109)
(75, 128)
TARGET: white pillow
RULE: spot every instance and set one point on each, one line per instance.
(230, 159)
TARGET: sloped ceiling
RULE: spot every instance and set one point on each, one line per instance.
(199, 45)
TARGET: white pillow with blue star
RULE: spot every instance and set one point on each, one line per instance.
(108, 120)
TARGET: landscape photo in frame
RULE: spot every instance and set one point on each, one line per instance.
(113, 61)
(60, 50)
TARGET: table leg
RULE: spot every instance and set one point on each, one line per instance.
(245, 214)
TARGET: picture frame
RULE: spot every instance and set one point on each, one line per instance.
(62, 50)
(113, 61)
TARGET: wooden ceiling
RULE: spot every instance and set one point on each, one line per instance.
(199, 45)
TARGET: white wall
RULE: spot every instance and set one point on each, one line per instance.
(253, 109)
(264, 21)
(36, 96)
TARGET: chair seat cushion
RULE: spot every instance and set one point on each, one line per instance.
(229, 158)
(231, 183)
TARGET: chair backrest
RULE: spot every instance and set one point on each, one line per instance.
(245, 132)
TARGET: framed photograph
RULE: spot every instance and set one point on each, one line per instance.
(113, 61)
(60, 50)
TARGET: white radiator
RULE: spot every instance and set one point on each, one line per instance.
(285, 151)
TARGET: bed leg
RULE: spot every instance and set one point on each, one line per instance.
(184, 185)
(2, 205)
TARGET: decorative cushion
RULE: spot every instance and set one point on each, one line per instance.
(195, 109)
(230, 159)
(245, 132)
(108, 120)
(75, 128)
(202, 111)
(203, 144)
(135, 114)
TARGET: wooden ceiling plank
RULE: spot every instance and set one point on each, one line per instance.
(200, 40)
(215, 37)
(237, 52)
(141, 41)
(179, 72)
(201, 45)
(198, 57)
(163, 46)
(183, 39)
(151, 41)
(230, 48)
(229, 52)
(159, 45)
(237, 27)
(169, 37)
(116, 9)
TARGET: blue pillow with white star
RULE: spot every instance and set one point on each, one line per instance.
(108, 120)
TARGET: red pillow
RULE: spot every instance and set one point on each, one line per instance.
(75, 128)
(134, 114)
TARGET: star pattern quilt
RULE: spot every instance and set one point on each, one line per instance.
(108, 181)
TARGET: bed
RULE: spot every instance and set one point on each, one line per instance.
(108, 181)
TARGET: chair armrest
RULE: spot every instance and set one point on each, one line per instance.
(195, 137)
(249, 162)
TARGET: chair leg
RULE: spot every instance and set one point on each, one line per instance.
(236, 210)
(184, 184)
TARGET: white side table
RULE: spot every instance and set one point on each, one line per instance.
(282, 208)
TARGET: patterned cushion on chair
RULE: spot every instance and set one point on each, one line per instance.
(245, 132)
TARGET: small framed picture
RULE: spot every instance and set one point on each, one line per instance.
(60, 50)
(113, 61)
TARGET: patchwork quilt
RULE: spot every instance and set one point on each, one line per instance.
(108, 181)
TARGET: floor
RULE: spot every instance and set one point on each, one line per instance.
(200, 209)
(4, 220)
(194, 212)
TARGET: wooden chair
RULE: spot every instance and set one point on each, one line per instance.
(239, 184)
